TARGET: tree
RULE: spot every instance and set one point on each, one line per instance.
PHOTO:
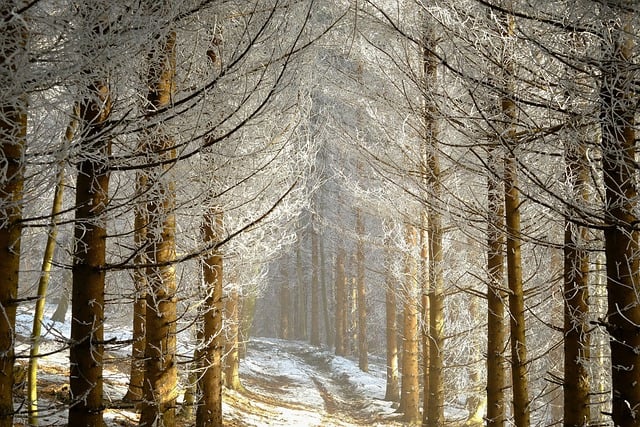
(621, 235)
(13, 131)
(161, 375)
(209, 411)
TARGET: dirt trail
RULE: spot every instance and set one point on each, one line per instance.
(294, 369)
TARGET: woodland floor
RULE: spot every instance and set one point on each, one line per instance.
(286, 383)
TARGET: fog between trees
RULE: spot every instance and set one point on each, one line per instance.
(450, 185)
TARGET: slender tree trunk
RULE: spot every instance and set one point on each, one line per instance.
(619, 152)
(13, 132)
(363, 360)
(285, 301)
(424, 314)
(576, 296)
(496, 296)
(136, 376)
(232, 360)
(315, 290)
(43, 284)
(301, 296)
(161, 374)
(209, 411)
(392, 392)
(325, 297)
(410, 388)
(341, 304)
(87, 295)
(431, 179)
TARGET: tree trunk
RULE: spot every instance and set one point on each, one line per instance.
(363, 360)
(315, 290)
(516, 295)
(13, 132)
(410, 388)
(430, 165)
(136, 376)
(619, 156)
(576, 296)
(301, 296)
(285, 300)
(496, 296)
(232, 360)
(209, 411)
(161, 374)
(392, 392)
(341, 304)
(328, 328)
(43, 284)
(87, 295)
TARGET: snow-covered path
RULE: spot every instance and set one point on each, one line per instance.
(289, 383)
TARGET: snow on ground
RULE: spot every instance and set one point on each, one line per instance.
(286, 383)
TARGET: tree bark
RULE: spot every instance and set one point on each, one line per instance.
(209, 410)
(576, 296)
(13, 132)
(232, 359)
(496, 297)
(87, 295)
(315, 290)
(285, 301)
(363, 360)
(341, 304)
(43, 282)
(410, 387)
(161, 375)
(136, 376)
(392, 391)
(618, 112)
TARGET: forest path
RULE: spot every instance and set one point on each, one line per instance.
(290, 383)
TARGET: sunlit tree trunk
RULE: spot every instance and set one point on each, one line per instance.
(363, 359)
(392, 391)
(341, 304)
(424, 314)
(410, 386)
(87, 295)
(576, 294)
(43, 282)
(209, 408)
(300, 306)
(161, 375)
(328, 327)
(136, 376)
(232, 356)
(13, 132)
(430, 163)
(496, 296)
(619, 157)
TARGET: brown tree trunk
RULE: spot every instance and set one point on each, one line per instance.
(496, 296)
(328, 328)
(315, 290)
(161, 374)
(430, 164)
(392, 392)
(13, 132)
(576, 296)
(285, 301)
(424, 314)
(232, 359)
(341, 304)
(136, 376)
(209, 410)
(410, 387)
(87, 295)
(363, 359)
(619, 156)
(300, 306)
